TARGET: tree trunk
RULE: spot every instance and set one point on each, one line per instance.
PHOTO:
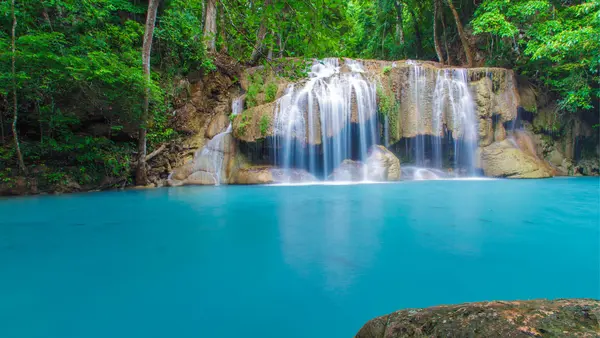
(280, 45)
(210, 25)
(399, 25)
(418, 42)
(436, 41)
(14, 91)
(260, 36)
(442, 19)
(462, 34)
(222, 31)
(271, 46)
(141, 177)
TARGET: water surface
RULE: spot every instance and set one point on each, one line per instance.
(293, 261)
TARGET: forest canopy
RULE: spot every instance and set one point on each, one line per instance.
(65, 61)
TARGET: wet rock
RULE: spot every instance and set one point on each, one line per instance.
(504, 159)
(382, 165)
(253, 175)
(499, 132)
(200, 178)
(292, 176)
(217, 125)
(349, 170)
(588, 167)
(534, 318)
(18, 186)
(214, 162)
(247, 125)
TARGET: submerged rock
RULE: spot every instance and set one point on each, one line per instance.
(534, 318)
(382, 165)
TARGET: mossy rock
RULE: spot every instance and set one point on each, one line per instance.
(255, 123)
(534, 318)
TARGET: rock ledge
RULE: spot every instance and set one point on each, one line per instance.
(534, 318)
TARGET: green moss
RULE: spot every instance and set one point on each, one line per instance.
(387, 70)
(389, 108)
(251, 95)
(270, 92)
(245, 121)
(257, 85)
(264, 124)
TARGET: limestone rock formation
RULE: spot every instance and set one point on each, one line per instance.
(213, 164)
(504, 159)
(217, 125)
(534, 318)
(382, 165)
(253, 175)
(255, 123)
(268, 175)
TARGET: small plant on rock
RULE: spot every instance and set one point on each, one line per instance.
(270, 92)
(264, 124)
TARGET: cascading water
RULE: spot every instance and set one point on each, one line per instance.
(330, 118)
(212, 156)
(450, 117)
(452, 96)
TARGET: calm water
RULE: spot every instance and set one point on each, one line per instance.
(309, 261)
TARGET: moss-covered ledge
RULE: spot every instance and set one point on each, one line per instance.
(533, 318)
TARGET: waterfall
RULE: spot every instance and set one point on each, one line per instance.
(328, 119)
(445, 112)
(212, 156)
(452, 96)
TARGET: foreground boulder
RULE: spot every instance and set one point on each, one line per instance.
(535, 318)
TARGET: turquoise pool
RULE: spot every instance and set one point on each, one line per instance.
(295, 261)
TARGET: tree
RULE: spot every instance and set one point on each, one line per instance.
(436, 41)
(418, 40)
(141, 175)
(399, 24)
(14, 90)
(210, 25)
(261, 34)
(462, 34)
(560, 45)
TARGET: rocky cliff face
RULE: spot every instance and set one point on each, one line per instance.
(535, 318)
(416, 100)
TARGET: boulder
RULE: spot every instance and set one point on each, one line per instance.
(382, 165)
(200, 178)
(349, 170)
(292, 176)
(252, 175)
(533, 318)
(504, 159)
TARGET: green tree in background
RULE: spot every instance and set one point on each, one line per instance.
(556, 43)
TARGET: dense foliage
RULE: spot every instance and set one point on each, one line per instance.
(79, 80)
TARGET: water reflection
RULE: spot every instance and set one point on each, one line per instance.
(341, 240)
